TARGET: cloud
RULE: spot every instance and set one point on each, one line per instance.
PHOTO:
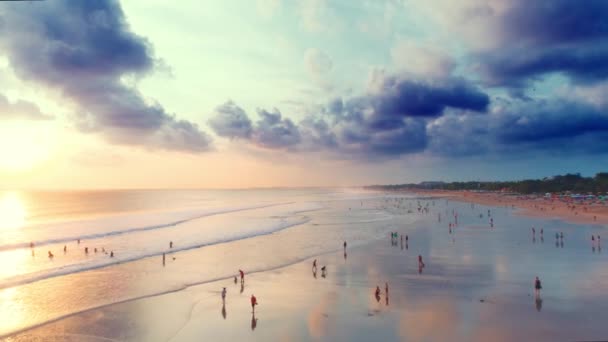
(274, 131)
(404, 97)
(520, 127)
(20, 110)
(85, 49)
(534, 38)
(388, 122)
(231, 121)
(271, 131)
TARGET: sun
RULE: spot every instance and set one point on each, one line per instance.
(23, 146)
(12, 211)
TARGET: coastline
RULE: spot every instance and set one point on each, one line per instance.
(473, 281)
(528, 206)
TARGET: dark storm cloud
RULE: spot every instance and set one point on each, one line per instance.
(558, 127)
(85, 49)
(20, 110)
(386, 123)
(546, 36)
(550, 121)
(415, 98)
(231, 121)
(274, 131)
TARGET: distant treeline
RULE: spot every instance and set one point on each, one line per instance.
(569, 182)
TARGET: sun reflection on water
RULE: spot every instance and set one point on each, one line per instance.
(12, 211)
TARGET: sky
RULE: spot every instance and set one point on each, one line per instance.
(274, 93)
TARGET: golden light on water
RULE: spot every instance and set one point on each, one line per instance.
(12, 211)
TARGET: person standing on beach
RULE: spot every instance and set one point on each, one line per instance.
(254, 302)
(65, 248)
(170, 244)
(224, 295)
(420, 262)
(314, 265)
(537, 287)
(344, 245)
(242, 276)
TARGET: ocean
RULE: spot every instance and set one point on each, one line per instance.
(213, 233)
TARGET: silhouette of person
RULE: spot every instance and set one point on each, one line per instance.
(224, 295)
(377, 294)
(254, 302)
(170, 244)
(323, 270)
(537, 287)
(65, 248)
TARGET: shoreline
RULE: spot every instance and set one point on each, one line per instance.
(528, 206)
(472, 282)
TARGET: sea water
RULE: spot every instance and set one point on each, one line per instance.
(214, 233)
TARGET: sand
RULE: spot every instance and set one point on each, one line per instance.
(532, 206)
(476, 286)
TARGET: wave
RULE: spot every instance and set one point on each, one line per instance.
(174, 289)
(77, 268)
(188, 216)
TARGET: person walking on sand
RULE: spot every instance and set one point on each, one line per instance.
(537, 287)
(170, 244)
(254, 302)
(223, 295)
(386, 288)
(242, 276)
(377, 293)
(344, 245)
(420, 262)
(314, 265)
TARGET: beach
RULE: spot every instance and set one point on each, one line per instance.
(477, 283)
(531, 205)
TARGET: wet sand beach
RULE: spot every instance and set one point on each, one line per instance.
(477, 285)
